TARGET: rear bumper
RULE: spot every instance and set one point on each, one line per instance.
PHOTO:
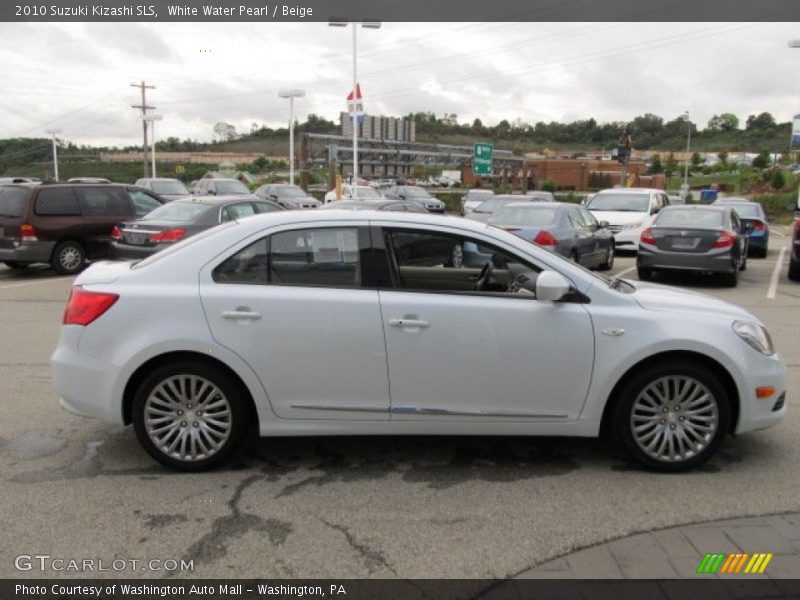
(127, 252)
(28, 252)
(758, 240)
(719, 261)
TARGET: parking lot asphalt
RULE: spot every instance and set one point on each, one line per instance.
(407, 507)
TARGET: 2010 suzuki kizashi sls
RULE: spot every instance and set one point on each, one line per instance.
(359, 323)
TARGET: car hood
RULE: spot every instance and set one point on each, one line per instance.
(653, 296)
(615, 217)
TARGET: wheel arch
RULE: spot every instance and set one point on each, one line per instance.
(141, 373)
(724, 376)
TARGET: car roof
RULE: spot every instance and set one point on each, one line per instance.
(539, 205)
(716, 208)
(631, 191)
(219, 200)
(157, 179)
(733, 200)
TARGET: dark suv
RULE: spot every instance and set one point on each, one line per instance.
(63, 224)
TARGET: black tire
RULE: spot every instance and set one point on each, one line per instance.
(644, 273)
(760, 252)
(743, 265)
(68, 258)
(622, 415)
(609, 262)
(794, 270)
(731, 279)
(229, 392)
(11, 264)
(573, 256)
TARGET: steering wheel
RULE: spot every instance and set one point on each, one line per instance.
(483, 278)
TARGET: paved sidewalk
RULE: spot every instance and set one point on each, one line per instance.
(677, 552)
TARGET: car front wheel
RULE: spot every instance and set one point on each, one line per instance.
(188, 416)
(672, 417)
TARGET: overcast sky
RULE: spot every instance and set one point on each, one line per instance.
(77, 77)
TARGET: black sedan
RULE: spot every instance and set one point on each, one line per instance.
(290, 197)
(180, 219)
(417, 194)
(694, 238)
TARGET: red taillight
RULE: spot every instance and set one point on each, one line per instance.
(116, 234)
(545, 238)
(759, 226)
(647, 237)
(725, 240)
(170, 235)
(28, 233)
(83, 307)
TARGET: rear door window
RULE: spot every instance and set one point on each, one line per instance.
(57, 201)
(104, 202)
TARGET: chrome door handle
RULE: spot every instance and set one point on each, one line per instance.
(241, 314)
(409, 323)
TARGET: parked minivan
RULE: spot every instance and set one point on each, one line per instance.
(64, 224)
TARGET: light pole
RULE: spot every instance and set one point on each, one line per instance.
(291, 95)
(53, 132)
(366, 25)
(153, 119)
(688, 145)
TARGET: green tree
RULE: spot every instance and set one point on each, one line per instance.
(723, 158)
(671, 165)
(697, 160)
(655, 165)
(760, 122)
(762, 161)
(778, 181)
(723, 122)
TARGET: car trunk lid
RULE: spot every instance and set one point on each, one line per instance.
(686, 239)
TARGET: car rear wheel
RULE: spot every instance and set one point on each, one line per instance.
(68, 258)
(743, 264)
(672, 417)
(609, 262)
(189, 417)
(731, 279)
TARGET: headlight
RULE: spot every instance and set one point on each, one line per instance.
(755, 335)
(634, 225)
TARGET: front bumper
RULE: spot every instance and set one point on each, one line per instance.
(759, 413)
(627, 239)
(718, 261)
(28, 252)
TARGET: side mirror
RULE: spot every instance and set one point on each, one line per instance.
(602, 224)
(551, 286)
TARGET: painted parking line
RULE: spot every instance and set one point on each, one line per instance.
(27, 283)
(776, 273)
(625, 272)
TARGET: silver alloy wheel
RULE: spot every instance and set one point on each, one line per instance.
(70, 258)
(187, 417)
(674, 418)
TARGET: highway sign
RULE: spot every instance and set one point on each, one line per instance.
(482, 159)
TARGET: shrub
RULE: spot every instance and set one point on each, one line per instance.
(778, 181)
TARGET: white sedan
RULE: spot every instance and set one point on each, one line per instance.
(357, 323)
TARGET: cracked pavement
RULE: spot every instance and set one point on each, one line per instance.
(410, 507)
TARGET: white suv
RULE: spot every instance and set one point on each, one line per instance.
(628, 211)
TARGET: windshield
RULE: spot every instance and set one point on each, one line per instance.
(230, 187)
(289, 191)
(620, 202)
(181, 212)
(169, 187)
(525, 216)
(414, 192)
(688, 217)
(193, 239)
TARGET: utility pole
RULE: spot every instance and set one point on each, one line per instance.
(152, 120)
(53, 132)
(144, 108)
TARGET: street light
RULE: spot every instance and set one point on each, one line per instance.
(688, 145)
(153, 119)
(365, 25)
(291, 95)
(53, 132)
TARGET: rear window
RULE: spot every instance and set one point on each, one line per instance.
(12, 201)
(524, 216)
(57, 201)
(748, 211)
(690, 218)
(181, 212)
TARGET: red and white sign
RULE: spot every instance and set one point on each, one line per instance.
(355, 104)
